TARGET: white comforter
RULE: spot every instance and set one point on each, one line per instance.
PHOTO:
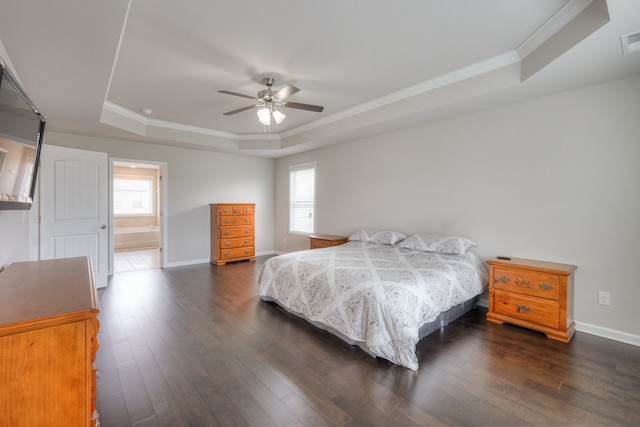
(377, 296)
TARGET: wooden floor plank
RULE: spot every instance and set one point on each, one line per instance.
(195, 346)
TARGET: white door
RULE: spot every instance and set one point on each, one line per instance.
(74, 206)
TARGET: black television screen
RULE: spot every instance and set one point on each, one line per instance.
(21, 132)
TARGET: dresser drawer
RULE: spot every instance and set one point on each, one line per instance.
(227, 233)
(534, 283)
(537, 310)
(226, 254)
(235, 210)
(228, 221)
(236, 243)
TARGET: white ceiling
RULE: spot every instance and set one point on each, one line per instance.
(375, 65)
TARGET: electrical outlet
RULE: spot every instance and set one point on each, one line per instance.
(604, 298)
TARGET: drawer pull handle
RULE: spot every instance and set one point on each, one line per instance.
(227, 221)
(503, 279)
(247, 231)
(227, 233)
(225, 210)
(246, 220)
(227, 244)
(522, 308)
(246, 242)
(227, 254)
(247, 252)
(545, 286)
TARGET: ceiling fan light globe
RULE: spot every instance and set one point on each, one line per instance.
(278, 116)
(264, 116)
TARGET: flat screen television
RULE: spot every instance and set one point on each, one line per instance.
(21, 132)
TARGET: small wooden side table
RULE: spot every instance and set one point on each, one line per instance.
(326, 241)
(533, 294)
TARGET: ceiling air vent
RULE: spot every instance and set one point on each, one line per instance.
(630, 42)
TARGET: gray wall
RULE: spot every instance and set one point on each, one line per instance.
(14, 237)
(556, 179)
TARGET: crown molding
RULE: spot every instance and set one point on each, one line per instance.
(561, 18)
(162, 124)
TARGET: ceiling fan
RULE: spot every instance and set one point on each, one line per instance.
(268, 102)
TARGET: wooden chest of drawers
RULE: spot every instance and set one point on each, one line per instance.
(325, 241)
(48, 344)
(533, 294)
(232, 232)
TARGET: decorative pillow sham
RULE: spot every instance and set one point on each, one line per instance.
(438, 243)
(382, 237)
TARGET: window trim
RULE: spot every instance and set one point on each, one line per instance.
(293, 169)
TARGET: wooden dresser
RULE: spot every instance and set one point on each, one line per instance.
(326, 241)
(533, 294)
(232, 232)
(48, 343)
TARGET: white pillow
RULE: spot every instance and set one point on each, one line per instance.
(382, 237)
(438, 243)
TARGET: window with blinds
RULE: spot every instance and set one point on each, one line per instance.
(302, 195)
(133, 196)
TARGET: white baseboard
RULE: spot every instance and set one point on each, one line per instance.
(206, 260)
(184, 263)
(611, 334)
(271, 252)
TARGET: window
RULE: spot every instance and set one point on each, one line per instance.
(133, 196)
(24, 189)
(302, 206)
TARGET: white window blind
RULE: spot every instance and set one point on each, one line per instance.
(302, 195)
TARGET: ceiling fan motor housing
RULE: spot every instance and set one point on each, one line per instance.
(265, 95)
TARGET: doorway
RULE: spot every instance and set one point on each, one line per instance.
(137, 200)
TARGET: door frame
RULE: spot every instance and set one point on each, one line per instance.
(162, 195)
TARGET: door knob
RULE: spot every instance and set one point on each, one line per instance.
(103, 226)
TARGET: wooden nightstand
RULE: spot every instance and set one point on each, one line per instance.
(326, 241)
(533, 294)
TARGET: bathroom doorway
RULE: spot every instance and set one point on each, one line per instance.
(137, 201)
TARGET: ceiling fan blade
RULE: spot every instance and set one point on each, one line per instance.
(308, 107)
(285, 92)
(237, 94)
(239, 110)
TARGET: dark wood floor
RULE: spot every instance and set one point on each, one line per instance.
(195, 346)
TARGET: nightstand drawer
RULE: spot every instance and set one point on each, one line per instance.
(540, 311)
(326, 241)
(525, 282)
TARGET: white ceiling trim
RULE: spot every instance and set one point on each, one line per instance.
(123, 118)
(142, 124)
(552, 26)
(457, 76)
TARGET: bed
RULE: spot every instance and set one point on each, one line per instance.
(382, 290)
